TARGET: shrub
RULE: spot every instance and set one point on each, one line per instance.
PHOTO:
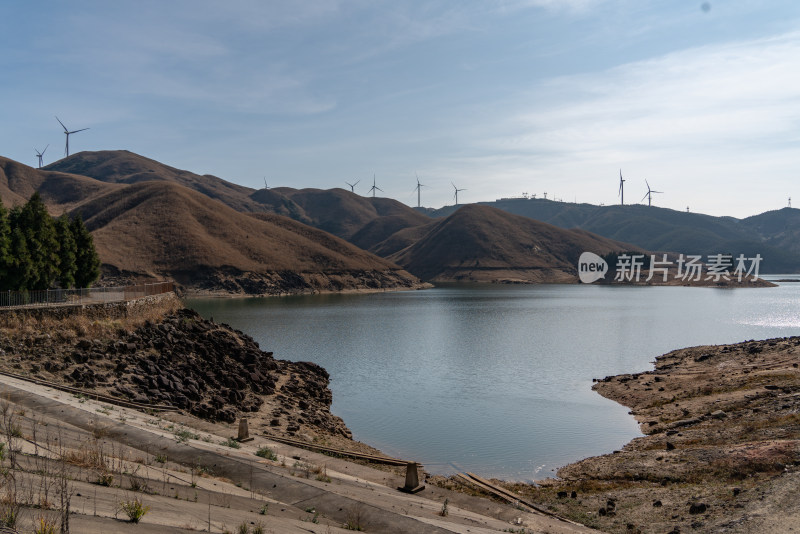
(266, 452)
(134, 509)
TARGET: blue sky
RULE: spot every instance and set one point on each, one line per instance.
(498, 97)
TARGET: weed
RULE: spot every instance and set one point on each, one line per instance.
(354, 518)
(160, 458)
(266, 452)
(258, 528)
(184, 435)
(263, 509)
(322, 476)
(444, 511)
(9, 511)
(243, 528)
(230, 442)
(44, 525)
(134, 509)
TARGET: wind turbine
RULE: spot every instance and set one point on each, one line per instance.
(353, 186)
(40, 154)
(265, 183)
(790, 198)
(621, 189)
(649, 194)
(67, 133)
(456, 190)
(418, 189)
(374, 187)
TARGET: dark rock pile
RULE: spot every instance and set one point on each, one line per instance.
(209, 370)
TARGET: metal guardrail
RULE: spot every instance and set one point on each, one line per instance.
(78, 297)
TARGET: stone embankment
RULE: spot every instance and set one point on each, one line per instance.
(171, 356)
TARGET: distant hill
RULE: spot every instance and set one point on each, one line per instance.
(484, 244)
(123, 167)
(363, 221)
(772, 234)
(60, 191)
(164, 229)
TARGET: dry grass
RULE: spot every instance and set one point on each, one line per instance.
(79, 325)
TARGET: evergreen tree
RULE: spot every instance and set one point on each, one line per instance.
(67, 252)
(40, 237)
(20, 272)
(5, 245)
(87, 261)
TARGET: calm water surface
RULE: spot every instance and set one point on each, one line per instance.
(497, 379)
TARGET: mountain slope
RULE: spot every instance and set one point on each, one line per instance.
(121, 166)
(364, 221)
(479, 243)
(655, 228)
(164, 229)
(59, 191)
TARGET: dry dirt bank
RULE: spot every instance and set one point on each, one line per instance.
(720, 453)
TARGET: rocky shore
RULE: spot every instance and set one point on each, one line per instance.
(720, 453)
(173, 357)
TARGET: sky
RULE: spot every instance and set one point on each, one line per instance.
(500, 97)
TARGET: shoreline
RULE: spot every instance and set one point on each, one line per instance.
(219, 294)
(720, 448)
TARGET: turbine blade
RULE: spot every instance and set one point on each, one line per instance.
(76, 131)
(645, 196)
(62, 124)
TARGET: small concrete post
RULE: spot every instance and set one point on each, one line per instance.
(412, 479)
(244, 432)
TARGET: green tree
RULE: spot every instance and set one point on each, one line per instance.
(20, 271)
(86, 260)
(5, 245)
(67, 252)
(40, 237)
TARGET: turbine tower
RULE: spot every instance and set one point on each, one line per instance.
(621, 189)
(67, 133)
(40, 154)
(790, 198)
(455, 192)
(374, 187)
(353, 186)
(265, 183)
(649, 193)
(418, 189)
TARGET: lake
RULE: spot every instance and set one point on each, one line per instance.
(497, 379)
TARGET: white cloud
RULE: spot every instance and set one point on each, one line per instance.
(726, 113)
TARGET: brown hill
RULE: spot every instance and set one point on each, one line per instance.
(364, 221)
(164, 229)
(121, 166)
(483, 244)
(60, 191)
